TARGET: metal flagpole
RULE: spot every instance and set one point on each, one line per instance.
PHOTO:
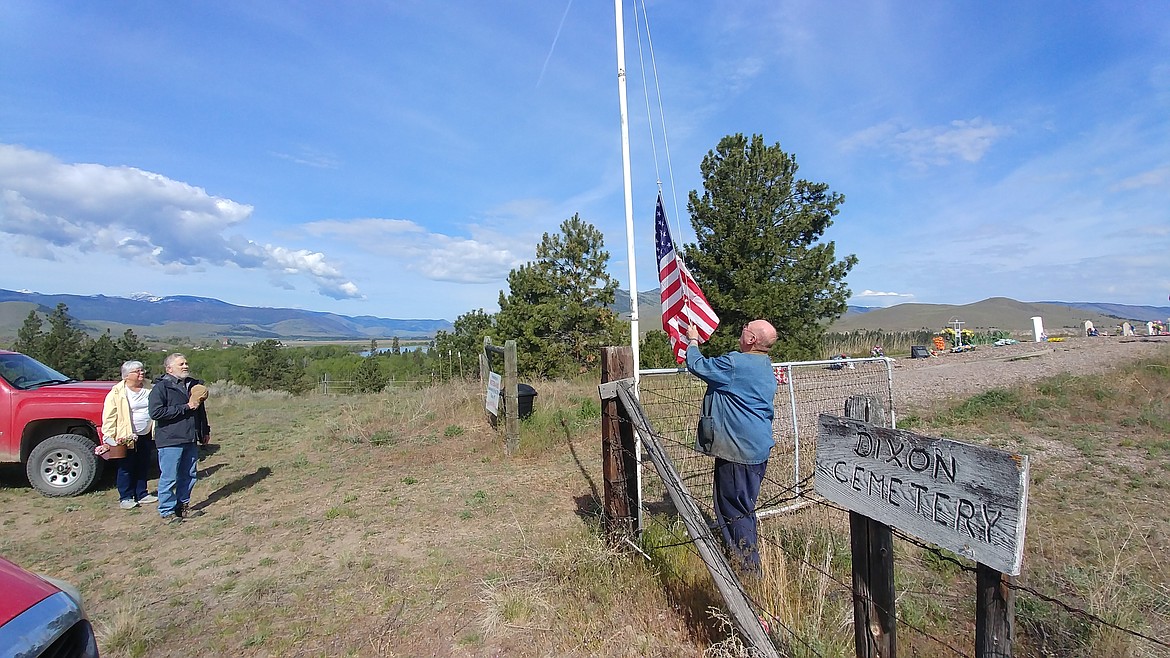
(629, 190)
(621, 62)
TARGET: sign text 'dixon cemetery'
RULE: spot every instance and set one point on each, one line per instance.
(968, 499)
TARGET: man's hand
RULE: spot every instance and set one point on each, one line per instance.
(692, 333)
(194, 403)
(205, 439)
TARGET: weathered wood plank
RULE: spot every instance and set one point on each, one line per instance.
(616, 465)
(968, 499)
(995, 614)
(872, 547)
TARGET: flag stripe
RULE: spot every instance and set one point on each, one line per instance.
(683, 303)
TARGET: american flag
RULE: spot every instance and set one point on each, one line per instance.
(683, 304)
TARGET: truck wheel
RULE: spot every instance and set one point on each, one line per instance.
(62, 465)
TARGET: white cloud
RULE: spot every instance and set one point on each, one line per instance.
(485, 257)
(48, 208)
(875, 293)
(933, 146)
(876, 297)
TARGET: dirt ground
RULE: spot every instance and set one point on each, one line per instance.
(920, 382)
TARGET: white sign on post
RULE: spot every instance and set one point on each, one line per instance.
(969, 499)
(493, 393)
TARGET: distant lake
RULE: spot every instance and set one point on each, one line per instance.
(404, 348)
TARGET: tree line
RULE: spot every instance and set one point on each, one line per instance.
(66, 348)
(759, 253)
(267, 364)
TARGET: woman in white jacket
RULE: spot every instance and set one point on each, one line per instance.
(126, 421)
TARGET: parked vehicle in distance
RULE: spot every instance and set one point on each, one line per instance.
(42, 616)
(51, 424)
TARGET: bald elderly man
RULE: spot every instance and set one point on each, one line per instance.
(736, 429)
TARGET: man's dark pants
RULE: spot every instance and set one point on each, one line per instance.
(737, 486)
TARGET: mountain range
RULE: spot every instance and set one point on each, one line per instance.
(203, 317)
(993, 313)
(182, 316)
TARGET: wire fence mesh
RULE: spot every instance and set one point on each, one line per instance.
(805, 389)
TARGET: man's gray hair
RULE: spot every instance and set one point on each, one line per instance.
(170, 360)
(131, 366)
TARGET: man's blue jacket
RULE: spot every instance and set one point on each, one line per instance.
(740, 395)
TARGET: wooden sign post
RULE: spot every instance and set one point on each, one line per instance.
(972, 500)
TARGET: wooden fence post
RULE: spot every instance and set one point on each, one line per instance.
(510, 392)
(872, 545)
(511, 399)
(995, 612)
(618, 462)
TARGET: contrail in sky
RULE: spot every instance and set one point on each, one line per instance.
(554, 43)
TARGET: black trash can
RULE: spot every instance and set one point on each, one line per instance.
(524, 397)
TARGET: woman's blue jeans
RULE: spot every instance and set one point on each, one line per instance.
(134, 469)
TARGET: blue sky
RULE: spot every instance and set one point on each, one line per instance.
(397, 159)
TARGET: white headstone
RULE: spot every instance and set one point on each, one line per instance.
(1038, 328)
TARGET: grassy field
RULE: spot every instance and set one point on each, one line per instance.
(392, 525)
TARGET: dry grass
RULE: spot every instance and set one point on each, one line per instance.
(393, 525)
(387, 525)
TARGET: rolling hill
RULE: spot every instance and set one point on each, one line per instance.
(204, 317)
(994, 313)
(997, 313)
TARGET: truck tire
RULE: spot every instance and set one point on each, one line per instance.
(63, 465)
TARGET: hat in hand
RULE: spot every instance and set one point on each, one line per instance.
(199, 392)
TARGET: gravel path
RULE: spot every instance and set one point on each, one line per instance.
(920, 382)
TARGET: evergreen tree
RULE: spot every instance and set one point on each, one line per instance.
(466, 338)
(30, 336)
(64, 347)
(265, 367)
(655, 351)
(369, 377)
(103, 360)
(557, 308)
(759, 254)
(395, 348)
(131, 348)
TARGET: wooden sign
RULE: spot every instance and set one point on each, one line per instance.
(969, 499)
(492, 404)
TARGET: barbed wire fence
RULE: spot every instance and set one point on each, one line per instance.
(805, 597)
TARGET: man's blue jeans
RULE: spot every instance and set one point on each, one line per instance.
(178, 465)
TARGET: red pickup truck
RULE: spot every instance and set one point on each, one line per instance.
(51, 424)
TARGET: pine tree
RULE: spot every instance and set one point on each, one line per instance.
(557, 307)
(103, 360)
(265, 367)
(131, 348)
(369, 377)
(466, 337)
(30, 337)
(655, 351)
(759, 253)
(64, 346)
